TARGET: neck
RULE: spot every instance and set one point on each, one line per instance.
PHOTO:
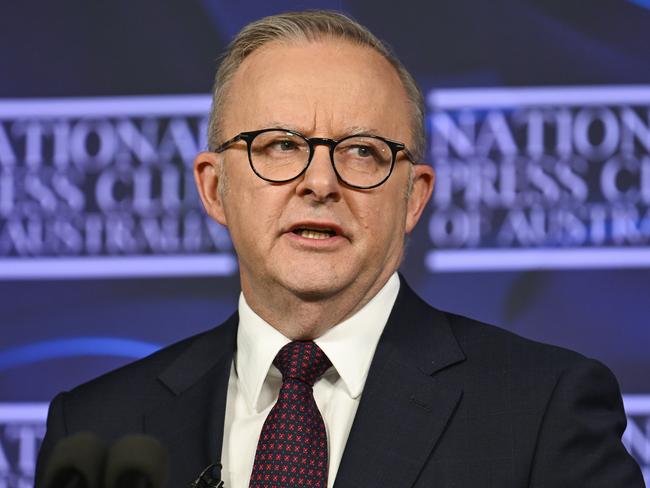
(304, 316)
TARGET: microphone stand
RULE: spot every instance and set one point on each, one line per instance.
(210, 477)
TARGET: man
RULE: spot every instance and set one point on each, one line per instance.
(333, 372)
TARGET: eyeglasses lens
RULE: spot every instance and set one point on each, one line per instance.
(279, 155)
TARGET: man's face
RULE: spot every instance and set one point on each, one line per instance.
(322, 89)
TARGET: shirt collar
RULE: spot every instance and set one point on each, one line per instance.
(350, 345)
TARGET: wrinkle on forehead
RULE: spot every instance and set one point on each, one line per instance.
(327, 89)
(309, 131)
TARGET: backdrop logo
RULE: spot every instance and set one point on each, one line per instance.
(105, 186)
(540, 178)
(22, 427)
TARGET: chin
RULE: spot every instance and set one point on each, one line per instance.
(315, 286)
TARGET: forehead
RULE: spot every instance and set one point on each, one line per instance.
(326, 86)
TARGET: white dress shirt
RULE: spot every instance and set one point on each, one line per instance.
(255, 383)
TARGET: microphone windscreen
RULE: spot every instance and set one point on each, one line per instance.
(136, 461)
(76, 461)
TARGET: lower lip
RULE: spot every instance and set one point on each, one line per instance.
(328, 243)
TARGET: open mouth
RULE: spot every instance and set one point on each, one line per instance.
(308, 233)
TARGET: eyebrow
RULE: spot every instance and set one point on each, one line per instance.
(354, 130)
(275, 124)
(359, 130)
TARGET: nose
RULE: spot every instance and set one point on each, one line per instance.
(319, 181)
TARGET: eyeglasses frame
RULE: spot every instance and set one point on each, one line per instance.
(312, 142)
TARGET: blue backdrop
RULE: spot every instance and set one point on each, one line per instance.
(539, 128)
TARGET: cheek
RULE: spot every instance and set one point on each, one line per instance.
(256, 210)
(389, 218)
(364, 211)
(380, 218)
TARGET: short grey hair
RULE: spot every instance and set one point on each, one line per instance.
(310, 25)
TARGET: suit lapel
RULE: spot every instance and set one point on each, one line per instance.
(406, 402)
(190, 423)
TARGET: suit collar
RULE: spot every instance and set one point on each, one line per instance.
(190, 422)
(407, 400)
(200, 356)
(351, 344)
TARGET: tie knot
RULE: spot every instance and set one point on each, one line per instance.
(302, 360)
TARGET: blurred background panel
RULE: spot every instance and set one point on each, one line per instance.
(538, 119)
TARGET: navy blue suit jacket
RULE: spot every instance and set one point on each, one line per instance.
(449, 402)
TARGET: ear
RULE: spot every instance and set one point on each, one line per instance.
(207, 170)
(423, 181)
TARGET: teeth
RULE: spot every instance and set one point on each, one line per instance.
(313, 234)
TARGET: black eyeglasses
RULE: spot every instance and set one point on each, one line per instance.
(281, 155)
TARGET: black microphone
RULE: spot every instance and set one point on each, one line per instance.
(136, 461)
(210, 477)
(76, 462)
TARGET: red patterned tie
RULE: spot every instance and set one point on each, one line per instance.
(292, 450)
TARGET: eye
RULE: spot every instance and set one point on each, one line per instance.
(363, 151)
(284, 145)
(279, 145)
(359, 151)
